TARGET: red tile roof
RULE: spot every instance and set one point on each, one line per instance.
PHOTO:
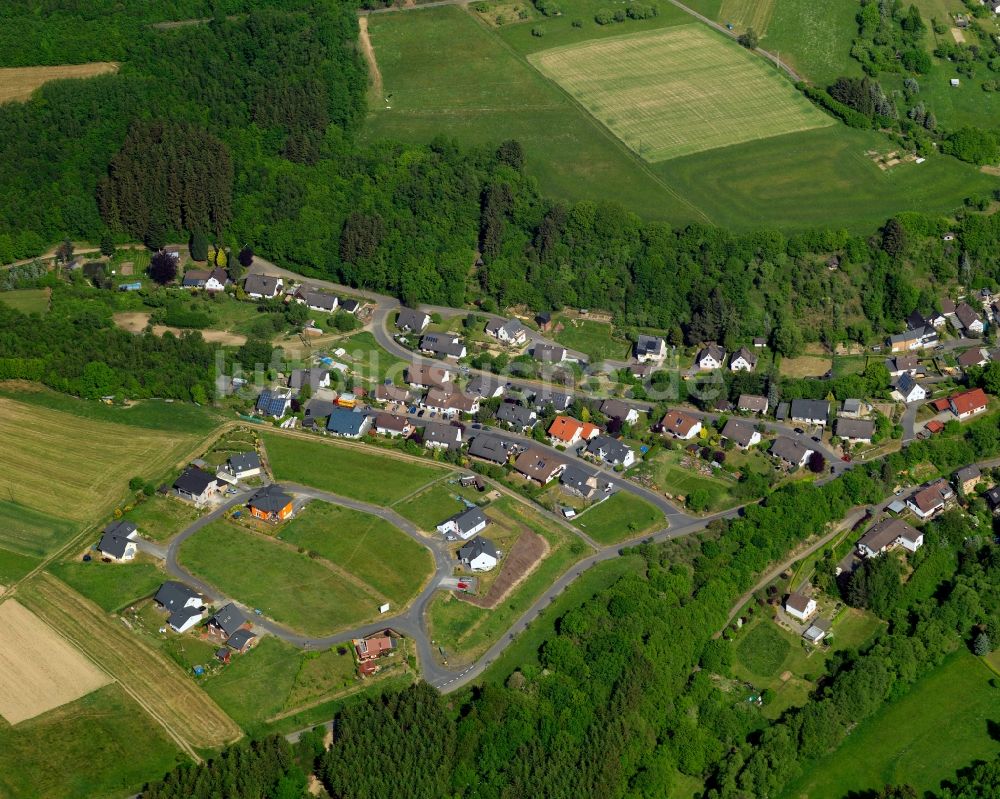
(969, 401)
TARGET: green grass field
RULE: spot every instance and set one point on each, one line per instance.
(360, 473)
(367, 546)
(112, 586)
(27, 300)
(368, 360)
(763, 649)
(160, 518)
(940, 726)
(620, 517)
(595, 339)
(107, 748)
(432, 506)
(31, 532)
(14, 565)
(814, 38)
(679, 91)
(287, 586)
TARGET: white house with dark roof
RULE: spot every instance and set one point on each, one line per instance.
(184, 605)
(790, 451)
(855, 430)
(650, 348)
(710, 357)
(196, 485)
(479, 555)
(262, 287)
(908, 390)
(807, 411)
(446, 345)
(437, 435)
(548, 353)
(410, 320)
(465, 524)
(240, 466)
(118, 541)
(611, 451)
(507, 331)
(931, 499)
(743, 360)
(752, 403)
(616, 409)
(314, 378)
(886, 535)
(969, 320)
(518, 417)
(742, 433)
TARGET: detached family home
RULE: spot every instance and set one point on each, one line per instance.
(650, 348)
(790, 451)
(516, 416)
(314, 378)
(539, 465)
(241, 466)
(548, 353)
(465, 524)
(389, 424)
(118, 541)
(680, 425)
(374, 646)
(215, 280)
(800, 606)
(348, 423)
(741, 433)
(886, 535)
(710, 357)
(806, 411)
(611, 451)
(442, 436)
(443, 344)
(449, 401)
(412, 321)
(967, 478)
(558, 400)
(484, 386)
(390, 393)
(902, 364)
(271, 504)
(231, 625)
(428, 376)
(479, 555)
(752, 403)
(968, 403)
(509, 331)
(492, 449)
(274, 403)
(197, 485)
(855, 430)
(969, 320)
(616, 409)
(973, 357)
(316, 300)
(909, 390)
(930, 499)
(743, 360)
(567, 431)
(262, 287)
(184, 605)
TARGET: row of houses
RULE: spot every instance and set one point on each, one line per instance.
(268, 287)
(186, 608)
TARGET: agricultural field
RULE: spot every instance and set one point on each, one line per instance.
(806, 366)
(39, 671)
(813, 38)
(903, 742)
(596, 340)
(111, 586)
(18, 83)
(360, 473)
(679, 91)
(26, 300)
(311, 595)
(743, 14)
(621, 517)
(107, 746)
(152, 679)
(14, 566)
(69, 468)
(366, 546)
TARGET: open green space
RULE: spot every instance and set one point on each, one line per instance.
(14, 565)
(27, 300)
(813, 38)
(352, 471)
(365, 545)
(679, 91)
(942, 724)
(763, 649)
(368, 360)
(435, 504)
(32, 532)
(160, 518)
(620, 517)
(110, 585)
(288, 586)
(596, 340)
(712, 491)
(107, 746)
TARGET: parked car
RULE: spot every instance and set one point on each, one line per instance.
(412, 409)
(799, 430)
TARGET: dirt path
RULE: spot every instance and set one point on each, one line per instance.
(369, 53)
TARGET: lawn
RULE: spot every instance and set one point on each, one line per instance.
(367, 359)
(108, 747)
(596, 340)
(941, 725)
(112, 586)
(679, 91)
(435, 504)
(160, 518)
(763, 649)
(26, 300)
(370, 548)
(71, 468)
(806, 366)
(668, 474)
(743, 14)
(361, 473)
(620, 517)
(288, 586)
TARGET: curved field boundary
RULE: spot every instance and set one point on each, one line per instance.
(190, 716)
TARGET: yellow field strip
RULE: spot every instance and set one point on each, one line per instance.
(18, 83)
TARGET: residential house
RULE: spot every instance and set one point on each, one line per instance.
(217, 280)
(968, 403)
(317, 412)
(242, 640)
(314, 378)
(806, 411)
(118, 541)
(817, 631)
(195, 278)
(969, 320)
(479, 555)
(641, 371)
(931, 499)
(650, 348)
(449, 401)
(612, 451)
(389, 424)
(909, 390)
(790, 451)
(240, 466)
(484, 387)
(912, 339)
(902, 364)
(548, 353)
(421, 376)
(888, 534)
(390, 393)
(262, 287)
(752, 403)
(445, 345)
(973, 357)
(741, 433)
(516, 416)
(800, 606)
(709, 357)
(226, 622)
(992, 497)
(271, 504)
(855, 430)
(348, 423)
(743, 360)
(492, 448)
(442, 436)
(680, 425)
(539, 465)
(967, 478)
(509, 331)
(274, 403)
(316, 300)
(464, 524)
(581, 481)
(567, 431)
(196, 485)
(616, 409)
(853, 408)
(350, 306)
(184, 606)
(374, 646)
(558, 400)
(410, 320)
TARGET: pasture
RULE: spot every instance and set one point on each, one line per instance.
(953, 703)
(743, 14)
(814, 38)
(350, 471)
(19, 83)
(678, 91)
(621, 517)
(39, 671)
(308, 594)
(153, 680)
(62, 466)
(368, 547)
(107, 745)
(26, 300)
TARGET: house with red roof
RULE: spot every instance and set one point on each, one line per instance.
(566, 431)
(968, 403)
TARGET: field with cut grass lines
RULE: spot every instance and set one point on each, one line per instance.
(743, 14)
(679, 91)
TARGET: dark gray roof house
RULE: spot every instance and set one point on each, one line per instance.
(468, 520)
(485, 386)
(993, 498)
(319, 301)
(855, 429)
(270, 499)
(492, 448)
(611, 450)
(442, 435)
(348, 423)
(789, 450)
(243, 462)
(410, 320)
(228, 620)
(261, 285)
(241, 639)
(443, 344)
(317, 409)
(559, 400)
(616, 409)
(314, 378)
(548, 353)
(740, 432)
(349, 305)
(476, 547)
(173, 595)
(580, 480)
(115, 539)
(810, 411)
(193, 481)
(650, 347)
(516, 415)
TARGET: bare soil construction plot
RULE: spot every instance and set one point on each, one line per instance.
(524, 556)
(136, 321)
(678, 91)
(17, 83)
(186, 712)
(39, 671)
